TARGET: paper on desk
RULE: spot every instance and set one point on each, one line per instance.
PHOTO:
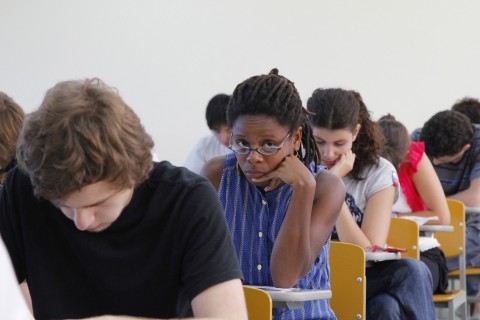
(427, 243)
(419, 220)
(268, 288)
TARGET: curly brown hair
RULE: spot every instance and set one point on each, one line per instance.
(337, 108)
(276, 96)
(83, 133)
(11, 119)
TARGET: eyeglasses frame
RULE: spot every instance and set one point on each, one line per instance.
(250, 149)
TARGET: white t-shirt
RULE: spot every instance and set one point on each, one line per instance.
(376, 178)
(207, 147)
(401, 205)
(12, 303)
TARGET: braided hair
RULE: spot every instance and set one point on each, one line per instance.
(343, 109)
(276, 96)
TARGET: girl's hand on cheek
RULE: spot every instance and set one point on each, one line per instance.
(344, 164)
(290, 171)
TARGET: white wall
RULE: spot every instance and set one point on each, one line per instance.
(167, 58)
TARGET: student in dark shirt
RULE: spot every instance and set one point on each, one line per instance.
(94, 227)
(452, 143)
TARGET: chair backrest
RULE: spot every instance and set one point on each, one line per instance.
(453, 243)
(259, 303)
(404, 233)
(347, 280)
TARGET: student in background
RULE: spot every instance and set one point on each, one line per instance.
(280, 210)
(452, 143)
(11, 118)
(216, 143)
(349, 143)
(94, 227)
(469, 107)
(421, 192)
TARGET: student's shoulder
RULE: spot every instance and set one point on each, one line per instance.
(164, 172)
(415, 135)
(475, 145)
(213, 169)
(384, 164)
(476, 132)
(16, 178)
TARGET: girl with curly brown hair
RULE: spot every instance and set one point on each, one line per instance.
(349, 143)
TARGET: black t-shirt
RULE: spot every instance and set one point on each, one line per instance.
(169, 244)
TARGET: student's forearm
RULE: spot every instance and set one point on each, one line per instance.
(292, 256)
(348, 230)
(470, 199)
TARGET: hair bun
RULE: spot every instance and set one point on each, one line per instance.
(388, 117)
(274, 71)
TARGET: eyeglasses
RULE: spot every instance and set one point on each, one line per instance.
(267, 149)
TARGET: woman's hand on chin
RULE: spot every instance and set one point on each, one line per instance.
(344, 164)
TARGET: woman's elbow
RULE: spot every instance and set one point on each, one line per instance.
(282, 279)
(444, 219)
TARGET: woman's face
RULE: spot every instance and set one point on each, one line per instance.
(332, 144)
(262, 131)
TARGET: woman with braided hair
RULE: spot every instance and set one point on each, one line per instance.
(279, 211)
(349, 143)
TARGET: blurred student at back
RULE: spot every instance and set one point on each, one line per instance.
(11, 118)
(214, 144)
(452, 143)
(421, 192)
(469, 107)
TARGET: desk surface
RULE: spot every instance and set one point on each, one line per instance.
(293, 298)
(381, 256)
(435, 228)
(472, 210)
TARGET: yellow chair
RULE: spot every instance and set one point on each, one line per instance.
(471, 273)
(259, 304)
(453, 245)
(347, 280)
(404, 233)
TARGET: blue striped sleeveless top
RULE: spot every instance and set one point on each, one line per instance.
(254, 219)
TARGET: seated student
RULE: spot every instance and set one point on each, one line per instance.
(452, 144)
(349, 143)
(280, 212)
(216, 143)
(469, 107)
(422, 194)
(12, 304)
(94, 227)
(11, 118)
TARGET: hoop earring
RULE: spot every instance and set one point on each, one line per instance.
(297, 154)
(237, 167)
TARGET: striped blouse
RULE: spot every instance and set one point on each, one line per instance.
(254, 219)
